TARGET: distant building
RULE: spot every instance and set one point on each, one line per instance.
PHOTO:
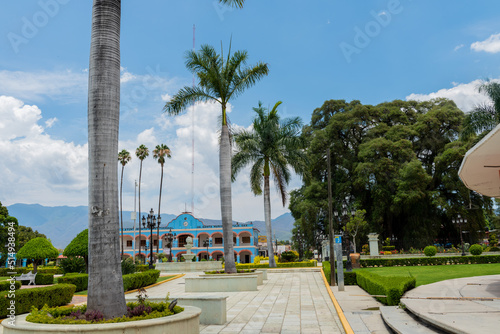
(245, 240)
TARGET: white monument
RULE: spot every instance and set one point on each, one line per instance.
(189, 255)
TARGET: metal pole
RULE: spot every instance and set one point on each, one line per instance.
(330, 220)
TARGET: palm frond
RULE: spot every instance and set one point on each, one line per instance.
(185, 97)
(247, 78)
(233, 3)
(256, 177)
(481, 119)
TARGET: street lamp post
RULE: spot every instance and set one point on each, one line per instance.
(170, 239)
(459, 220)
(206, 243)
(151, 223)
(344, 217)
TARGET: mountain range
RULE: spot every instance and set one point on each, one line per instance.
(62, 223)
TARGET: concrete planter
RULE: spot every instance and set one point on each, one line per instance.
(221, 283)
(189, 266)
(184, 322)
(259, 274)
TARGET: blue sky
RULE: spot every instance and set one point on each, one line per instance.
(372, 51)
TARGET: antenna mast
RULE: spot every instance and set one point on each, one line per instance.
(192, 140)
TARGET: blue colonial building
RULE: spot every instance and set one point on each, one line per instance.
(208, 241)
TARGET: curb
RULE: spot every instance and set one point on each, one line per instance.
(340, 313)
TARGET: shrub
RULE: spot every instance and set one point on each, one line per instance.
(365, 249)
(142, 267)
(309, 263)
(494, 249)
(43, 279)
(430, 250)
(388, 248)
(476, 249)
(5, 285)
(289, 256)
(128, 266)
(393, 287)
(55, 295)
(50, 270)
(81, 281)
(73, 264)
(139, 280)
(349, 277)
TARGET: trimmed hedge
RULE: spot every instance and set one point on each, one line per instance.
(55, 295)
(5, 285)
(50, 270)
(393, 287)
(43, 279)
(311, 263)
(349, 277)
(143, 267)
(81, 281)
(139, 280)
(23, 270)
(429, 261)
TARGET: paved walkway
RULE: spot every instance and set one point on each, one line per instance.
(462, 305)
(288, 302)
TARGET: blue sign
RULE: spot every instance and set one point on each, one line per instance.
(338, 239)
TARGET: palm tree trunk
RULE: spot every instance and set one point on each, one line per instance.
(105, 288)
(139, 219)
(267, 217)
(121, 209)
(225, 199)
(159, 204)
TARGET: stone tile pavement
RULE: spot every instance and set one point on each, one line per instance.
(288, 302)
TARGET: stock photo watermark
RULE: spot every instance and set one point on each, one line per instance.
(11, 264)
(32, 24)
(364, 35)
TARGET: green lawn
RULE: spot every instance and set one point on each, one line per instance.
(431, 274)
(160, 279)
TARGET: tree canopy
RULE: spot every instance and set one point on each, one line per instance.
(38, 249)
(399, 161)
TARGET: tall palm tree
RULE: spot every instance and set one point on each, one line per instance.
(272, 146)
(159, 153)
(142, 153)
(485, 117)
(221, 79)
(105, 288)
(123, 157)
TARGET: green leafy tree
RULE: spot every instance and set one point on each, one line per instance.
(79, 247)
(37, 250)
(124, 158)
(271, 147)
(159, 153)
(483, 118)
(7, 221)
(357, 226)
(221, 79)
(25, 234)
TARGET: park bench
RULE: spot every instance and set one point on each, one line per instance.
(27, 277)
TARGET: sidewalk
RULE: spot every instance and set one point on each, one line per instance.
(289, 302)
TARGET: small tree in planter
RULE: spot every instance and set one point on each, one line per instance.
(38, 249)
(430, 250)
(357, 226)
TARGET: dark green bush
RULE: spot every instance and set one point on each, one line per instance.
(476, 249)
(349, 277)
(494, 249)
(310, 263)
(288, 256)
(393, 287)
(430, 250)
(73, 264)
(55, 295)
(388, 248)
(423, 261)
(139, 280)
(42, 279)
(50, 270)
(142, 267)
(81, 281)
(4, 272)
(5, 285)
(128, 266)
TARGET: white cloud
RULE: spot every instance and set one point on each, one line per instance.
(37, 168)
(65, 86)
(166, 97)
(458, 47)
(490, 45)
(465, 95)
